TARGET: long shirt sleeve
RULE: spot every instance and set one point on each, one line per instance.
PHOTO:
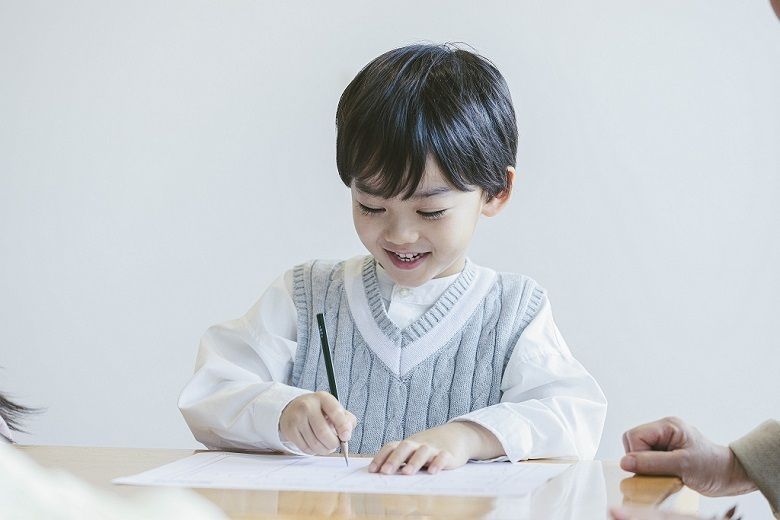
(242, 374)
(550, 406)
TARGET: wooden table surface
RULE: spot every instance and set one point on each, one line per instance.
(584, 491)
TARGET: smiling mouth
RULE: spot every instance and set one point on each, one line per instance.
(406, 258)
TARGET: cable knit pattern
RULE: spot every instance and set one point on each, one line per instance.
(460, 375)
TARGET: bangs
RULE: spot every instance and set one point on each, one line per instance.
(385, 158)
(393, 165)
(420, 103)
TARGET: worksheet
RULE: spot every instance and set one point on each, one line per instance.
(224, 470)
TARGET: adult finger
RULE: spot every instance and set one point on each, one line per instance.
(664, 434)
(381, 457)
(645, 513)
(421, 456)
(643, 437)
(626, 446)
(631, 513)
(654, 462)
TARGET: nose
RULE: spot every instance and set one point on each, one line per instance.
(400, 231)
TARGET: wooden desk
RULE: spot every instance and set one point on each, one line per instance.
(585, 491)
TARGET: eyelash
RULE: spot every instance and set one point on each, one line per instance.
(365, 210)
(432, 215)
(428, 215)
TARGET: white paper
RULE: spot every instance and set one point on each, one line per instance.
(223, 470)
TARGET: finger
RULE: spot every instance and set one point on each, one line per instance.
(621, 513)
(296, 438)
(654, 462)
(324, 432)
(307, 439)
(344, 428)
(400, 454)
(645, 513)
(419, 458)
(629, 513)
(381, 457)
(643, 437)
(663, 434)
(352, 424)
(315, 445)
(626, 446)
(337, 415)
(441, 461)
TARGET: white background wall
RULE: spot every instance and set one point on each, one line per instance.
(161, 163)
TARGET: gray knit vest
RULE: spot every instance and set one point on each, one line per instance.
(400, 381)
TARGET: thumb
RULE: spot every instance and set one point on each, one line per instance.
(645, 513)
(653, 462)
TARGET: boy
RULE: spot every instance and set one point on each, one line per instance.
(438, 361)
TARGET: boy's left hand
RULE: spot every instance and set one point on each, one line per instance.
(445, 447)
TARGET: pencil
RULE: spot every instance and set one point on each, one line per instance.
(331, 376)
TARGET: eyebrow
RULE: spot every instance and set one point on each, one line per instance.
(439, 190)
(432, 192)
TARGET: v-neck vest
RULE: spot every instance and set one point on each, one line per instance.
(396, 381)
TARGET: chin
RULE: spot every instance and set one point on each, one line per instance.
(407, 280)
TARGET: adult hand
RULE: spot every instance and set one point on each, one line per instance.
(672, 447)
(445, 447)
(316, 423)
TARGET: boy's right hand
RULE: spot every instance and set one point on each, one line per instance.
(316, 423)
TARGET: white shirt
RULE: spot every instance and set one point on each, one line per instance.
(29, 490)
(5, 431)
(550, 405)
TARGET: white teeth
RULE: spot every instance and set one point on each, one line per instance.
(407, 257)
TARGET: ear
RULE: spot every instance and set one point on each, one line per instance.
(494, 206)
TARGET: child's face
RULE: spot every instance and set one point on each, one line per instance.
(426, 236)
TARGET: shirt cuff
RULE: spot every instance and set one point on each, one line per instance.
(269, 411)
(516, 444)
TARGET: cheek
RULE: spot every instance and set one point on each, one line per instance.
(448, 234)
(459, 230)
(363, 226)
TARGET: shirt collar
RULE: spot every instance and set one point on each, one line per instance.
(425, 294)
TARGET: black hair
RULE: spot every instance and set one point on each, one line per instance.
(426, 100)
(12, 413)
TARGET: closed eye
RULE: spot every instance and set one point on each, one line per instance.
(432, 215)
(369, 211)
